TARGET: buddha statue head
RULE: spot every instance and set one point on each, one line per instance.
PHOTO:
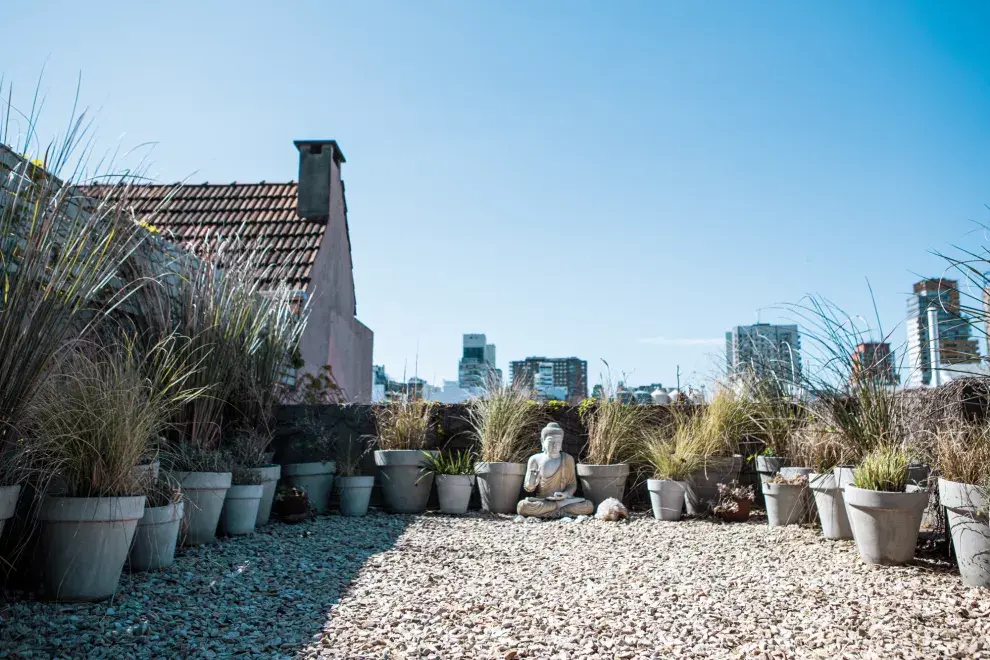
(552, 439)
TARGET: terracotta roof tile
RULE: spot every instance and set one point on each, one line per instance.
(264, 213)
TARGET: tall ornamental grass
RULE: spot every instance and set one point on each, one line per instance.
(614, 428)
(504, 423)
(95, 417)
(861, 407)
(402, 424)
(59, 254)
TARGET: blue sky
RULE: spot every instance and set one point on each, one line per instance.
(610, 180)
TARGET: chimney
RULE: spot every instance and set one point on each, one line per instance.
(316, 161)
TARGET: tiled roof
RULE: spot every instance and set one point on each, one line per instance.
(257, 213)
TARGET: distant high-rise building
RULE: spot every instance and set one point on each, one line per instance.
(874, 360)
(559, 378)
(938, 299)
(379, 383)
(764, 349)
(477, 363)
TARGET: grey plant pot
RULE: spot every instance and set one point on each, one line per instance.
(767, 466)
(8, 502)
(155, 538)
(269, 480)
(702, 487)
(454, 492)
(885, 525)
(831, 506)
(405, 486)
(786, 504)
(667, 498)
(600, 482)
(788, 472)
(355, 494)
(148, 472)
(499, 485)
(85, 541)
(315, 478)
(240, 509)
(966, 508)
(204, 493)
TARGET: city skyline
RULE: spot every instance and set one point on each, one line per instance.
(728, 161)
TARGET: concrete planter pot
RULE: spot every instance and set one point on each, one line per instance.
(702, 487)
(785, 504)
(499, 485)
(788, 472)
(831, 506)
(148, 474)
(966, 508)
(600, 482)
(269, 475)
(405, 486)
(85, 541)
(8, 502)
(155, 538)
(667, 498)
(355, 494)
(768, 466)
(204, 493)
(454, 491)
(314, 478)
(885, 525)
(240, 509)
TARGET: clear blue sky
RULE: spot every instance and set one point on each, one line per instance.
(609, 180)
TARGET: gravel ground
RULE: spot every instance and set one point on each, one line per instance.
(487, 587)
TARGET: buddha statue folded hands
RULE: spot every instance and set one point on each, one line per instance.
(552, 476)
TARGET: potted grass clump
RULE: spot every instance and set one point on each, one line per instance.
(57, 263)
(453, 473)
(502, 421)
(157, 532)
(240, 507)
(403, 428)
(614, 428)
(353, 488)
(821, 449)
(774, 415)
(885, 517)
(312, 465)
(716, 430)
(92, 423)
(963, 460)
(204, 476)
(669, 452)
(248, 449)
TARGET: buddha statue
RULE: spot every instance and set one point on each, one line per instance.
(552, 475)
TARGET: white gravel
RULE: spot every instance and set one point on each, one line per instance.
(488, 587)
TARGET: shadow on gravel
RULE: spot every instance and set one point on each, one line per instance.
(269, 594)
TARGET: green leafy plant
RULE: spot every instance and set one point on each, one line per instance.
(402, 424)
(885, 468)
(448, 463)
(772, 412)
(504, 423)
